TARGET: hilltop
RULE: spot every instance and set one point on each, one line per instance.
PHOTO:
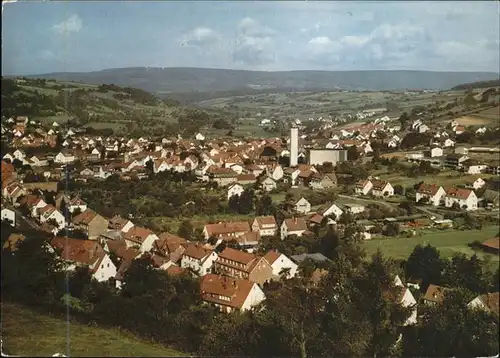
(481, 84)
(175, 80)
(101, 107)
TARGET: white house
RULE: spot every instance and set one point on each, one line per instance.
(293, 226)
(381, 188)
(478, 183)
(477, 169)
(199, 136)
(449, 143)
(333, 209)
(198, 259)
(230, 294)
(276, 172)
(436, 152)
(268, 184)
(235, 189)
(64, 158)
(487, 302)
(265, 225)
(302, 206)
(49, 212)
(281, 263)
(465, 198)
(9, 215)
(406, 299)
(354, 208)
(141, 238)
(103, 269)
(363, 187)
(434, 193)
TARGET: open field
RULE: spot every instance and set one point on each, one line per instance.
(447, 242)
(29, 333)
(446, 178)
(198, 221)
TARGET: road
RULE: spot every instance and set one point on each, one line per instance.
(370, 201)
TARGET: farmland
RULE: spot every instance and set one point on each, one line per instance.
(447, 242)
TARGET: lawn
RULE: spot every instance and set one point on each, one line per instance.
(28, 333)
(448, 243)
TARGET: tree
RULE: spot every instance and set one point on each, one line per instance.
(424, 263)
(265, 206)
(399, 190)
(186, 230)
(453, 329)
(391, 229)
(403, 120)
(352, 153)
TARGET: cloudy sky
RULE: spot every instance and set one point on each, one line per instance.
(69, 36)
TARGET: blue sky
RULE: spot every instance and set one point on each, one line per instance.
(41, 37)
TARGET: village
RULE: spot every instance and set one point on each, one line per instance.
(227, 255)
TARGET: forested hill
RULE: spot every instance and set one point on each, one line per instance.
(167, 80)
(480, 84)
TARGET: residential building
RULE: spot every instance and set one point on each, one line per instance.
(404, 297)
(332, 209)
(265, 225)
(50, 214)
(9, 215)
(198, 259)
(230, 294)
(281, 264)
(354, 208)
(363, 187)
(120, 224)
(465, 198)
(91, 223)
(302, 206)
(226, 229)
(13, 241)
(431, 192)
(381, 188)
(141, 238)
(243, 265)
(85, 253)
(455, 161)
(488, 302)
(435, 294)
(64, 157)
(234, 190)
(293, 226)
(268, 184)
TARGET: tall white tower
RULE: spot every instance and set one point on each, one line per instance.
(294, 146)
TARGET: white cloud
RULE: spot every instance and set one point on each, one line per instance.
(200, 37)
(46, 55)
(354, 40)
(322, 45)
(71, 24)
(254, 43)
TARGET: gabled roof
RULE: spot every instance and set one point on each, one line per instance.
(81, 251)
(379, 184)
(85, 217)
(236, 255)
(227, 228)
(13, 241)
(137, 234)
(458, 193)
(491, 302)
(435, 293)
(267, 221)
(295, 224)
(196, 251)
(493, 243)
(428, 189)
(272, 256)
(237, 290)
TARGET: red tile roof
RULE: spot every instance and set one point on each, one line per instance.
(227, 228)
(458, 193)
(237, 290)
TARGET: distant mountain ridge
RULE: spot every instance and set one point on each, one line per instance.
(474, 85)
(183, 79)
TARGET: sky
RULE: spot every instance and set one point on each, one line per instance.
(42, 37)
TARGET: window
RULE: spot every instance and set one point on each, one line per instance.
(108, 264)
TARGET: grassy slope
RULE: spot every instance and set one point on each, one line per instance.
(447, 243)
(28, 333)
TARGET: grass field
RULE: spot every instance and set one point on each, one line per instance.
(28, 333)
(447, 243)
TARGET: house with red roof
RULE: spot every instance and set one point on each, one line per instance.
(431, 192)
(240, 264)
(86, 253)
(198, 259)
(363, 187)
(140, 237)
(230, 294)
(465, 198)
(281, 264)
